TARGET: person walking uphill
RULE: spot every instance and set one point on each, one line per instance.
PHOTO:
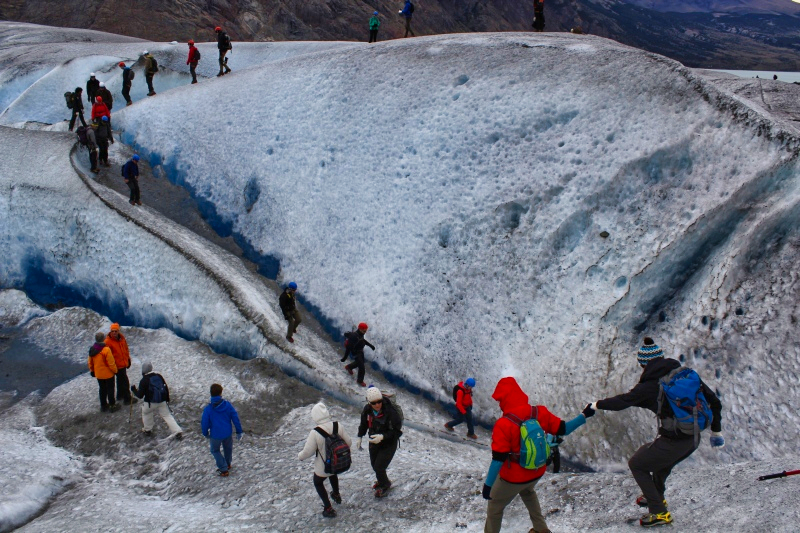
(100, 109)
(223, 45)
(130, 171)
(288, 304)
(118, 344)
(464, 406)
(77, 107)
(316, 445)
(127, 81)
(408, 12)
(91, 87)
(154, 392)
(507, 460)
(383, 425)
(218, 416)
(355, 346)
(653, 462)
(194, 57)
(102, 367)
(374, 24)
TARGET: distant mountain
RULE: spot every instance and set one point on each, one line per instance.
(732, 34)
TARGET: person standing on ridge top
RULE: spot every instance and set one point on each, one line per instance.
(374, 24)
(103, 368)
(194, 57)
(104, 136)
(105, 94)
(216, 423)
(130, 172)
(127, 80)
(381, 422)
(118, 344)
(288, 303)
(538, 15)
(224, 45)
(464, 407)
(653, 462)
(91, 87)
(408, 12)
(77, 108)
(507, 477)
(355, 346)
(150, 69)
(154, 392)
(315, 445)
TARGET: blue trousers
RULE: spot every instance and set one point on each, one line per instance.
(461, 418)
(223, 462)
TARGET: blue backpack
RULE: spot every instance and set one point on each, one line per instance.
(534, 450)
(691, 413)
(158, 389)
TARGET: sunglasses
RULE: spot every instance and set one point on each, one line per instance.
(376, 402)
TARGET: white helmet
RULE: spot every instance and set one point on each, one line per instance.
(91, 74)
(102, 84)
(144, 53)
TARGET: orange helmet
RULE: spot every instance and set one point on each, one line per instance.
(99, 99)
(217, 29)
(122, 63)
(191, 42)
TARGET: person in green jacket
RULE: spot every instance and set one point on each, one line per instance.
(374, 24)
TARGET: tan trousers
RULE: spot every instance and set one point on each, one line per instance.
(502, 494)
(149, 409)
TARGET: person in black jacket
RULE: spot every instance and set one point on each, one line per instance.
(653, 462)
(127, 81)
(104, 136)
(382, 423)
(103, 92)
(77, 108)
(91, 87)
(355, 346)
(288, 305)
(155, 392)
(223, 45)
(130, 172)
(538, 15)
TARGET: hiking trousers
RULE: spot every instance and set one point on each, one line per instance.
(461, 418)
(408, 28)
(76, 113)
(653, 463)
(102, 145)
(294, 320)
(380, 456)
(106, 387)
(123, 385)
(150, 409)
(359, 364)
(373, 36)
(223, 461)
(502, 494)
(133, 185)
(319, 484)
(126, 94)
(193, 71)
(223, 65)
(93, 158)
(149, 79)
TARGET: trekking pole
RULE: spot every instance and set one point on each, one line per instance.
(782, 474)
(130, 413)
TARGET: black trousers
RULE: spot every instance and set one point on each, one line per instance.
(123, 385)
(538, 20)
(133, 185)
(319, 484)
(93, 158)
(102, 144)
(373, 36)
(76, 113)
(149, 79)
(359, 364)
(106, 392)
(193, 70)
(379, 457)
(653, 463)
(126, 93)
(408, 28)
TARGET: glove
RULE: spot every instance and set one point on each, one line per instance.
(588, 411)
(554, 440)
(717, 440)
(376, 439)
(238, 437)
(486, 491)
(92, 373)
(358, 444)
(129, 365)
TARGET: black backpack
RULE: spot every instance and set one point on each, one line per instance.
(226, 42)
(70, 98)
(197, 54)
(337, 452)
(411, 8)
(455, 392)
(155, 65)
(158, 389)
(81, 133)
(131, 74)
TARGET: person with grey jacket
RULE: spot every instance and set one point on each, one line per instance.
(315, 444)
(91, 144)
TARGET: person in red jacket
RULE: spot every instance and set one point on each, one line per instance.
(100, 109)
(513, 478)
(464, 407)
(194, 57)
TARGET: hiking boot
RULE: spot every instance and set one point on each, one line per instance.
(147, 432)
(542, 531)
(193, 82)
(96, 170)
(349, 370)
(128, 103)
(329, 512)
(138, 203)
(641, 501)
(381, 492)
(659, 519)
(220, 74)
(114, 407)
(336, 497)
(375, 485)
(179, 436)
(151, 94)
(448, 428)
(362, 384)
(223, 474)
(103, 408)
(473, 436)
(288, 338)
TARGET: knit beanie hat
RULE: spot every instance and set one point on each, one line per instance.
(147, 368)
(648, 352)
(374, 394)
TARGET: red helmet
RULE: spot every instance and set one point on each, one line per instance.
(217, 29)
(363, 325)
(122, 63)
(191, 42)
(99, 99)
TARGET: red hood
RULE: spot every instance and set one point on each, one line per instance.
(509, 395)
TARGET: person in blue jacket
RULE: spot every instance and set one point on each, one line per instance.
(216, 426)
(408, 12)
(130, 172)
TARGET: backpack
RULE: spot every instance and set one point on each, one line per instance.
(131, 74)
(337, 452)
(226, 41)
(155, 64)
(197, 54)
(456, 388)
(82, 138)
(411, 8)
(534, 450)
(158, 389)
(390, 395)
(70, 98)
(691, 413)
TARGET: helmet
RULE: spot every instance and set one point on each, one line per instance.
(104, 118)
(470, 382)
(375, 13)
(144, 53)
(99, 99)
(191, 42)
(293, 285)
(135, 157)
(363, 325)
(121, 63)
(102, 84)
(91, 74)
(217, 29)
(114, 327)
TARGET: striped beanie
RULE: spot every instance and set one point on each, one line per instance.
(648, 352)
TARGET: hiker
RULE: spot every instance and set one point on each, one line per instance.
(223, 44)
(127, 80)
(104, 136)
(130, 172)
(194, 57)
(91, 87)
(315, 444)
(91, 144)
(154, 392)
(288, 304)
(216, 426)
(407, 12)
(374, 24)
(105, 94)
(103, 368)
(77, 108)
(653, 462)
(381, 419)
(509, 473)
(463, 393)
(355, 346)
(100, 109)
(122, 358)
(538, 15)
(150, 69)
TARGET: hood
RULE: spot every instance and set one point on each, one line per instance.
(320, 414)
(217, 403)
(96, 348)
(658, 368)
(509, 395)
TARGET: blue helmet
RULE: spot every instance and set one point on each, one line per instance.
(375, 13)
(135, 157)
(470, 382)
(104, 119)
(293, 285)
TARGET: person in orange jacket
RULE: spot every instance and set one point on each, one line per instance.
(513, 477)
(122, 357)
(100, 109)
(102, 367)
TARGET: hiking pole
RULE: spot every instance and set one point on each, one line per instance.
(782, 474)
(130, 413)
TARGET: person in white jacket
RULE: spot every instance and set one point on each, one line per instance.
(315, 444)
